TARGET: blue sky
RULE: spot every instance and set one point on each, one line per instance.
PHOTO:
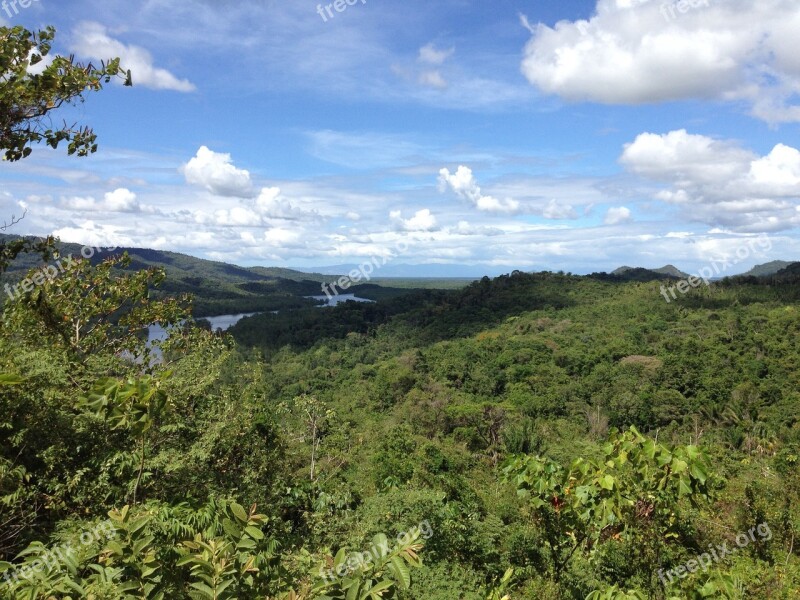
(576, 135)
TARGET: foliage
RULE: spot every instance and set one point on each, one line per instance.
(32, 87)
(607, 407)
(91, 309)
(631, 494)
(372, 575)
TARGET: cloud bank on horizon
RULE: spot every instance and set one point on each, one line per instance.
(630, 131)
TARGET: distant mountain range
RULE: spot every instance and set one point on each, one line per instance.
(668, 270)
(770, 268)
(776, 267)
(218, 288)
(176, 264)
(184, 271)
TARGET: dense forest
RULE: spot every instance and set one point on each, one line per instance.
(532, 436)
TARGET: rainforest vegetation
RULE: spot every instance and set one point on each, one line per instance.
(559, 437)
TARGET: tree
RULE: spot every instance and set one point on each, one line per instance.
(632, 495)
(90, 309)
(315, 416)
(28, 97)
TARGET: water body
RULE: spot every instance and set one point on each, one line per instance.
(225, 322)
(334, 300)
(156, 333)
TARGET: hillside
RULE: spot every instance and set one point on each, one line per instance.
(638, 273)
(176, 264)
(222, 288)
(218, 288)
(500, 430)
(770, 268)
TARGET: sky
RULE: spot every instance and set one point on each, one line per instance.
(578, 135)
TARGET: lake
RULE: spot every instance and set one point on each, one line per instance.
(156, 333)
(334, 300)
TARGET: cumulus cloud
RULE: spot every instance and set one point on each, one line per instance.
(618, 215)
(271, 204)
(95, 234)
(236, 216)
(466, 187)
(120, 200)
(423, 220)
(92, 40)
(643, 51)
(719, 183)
(264, 210)
(216, 173)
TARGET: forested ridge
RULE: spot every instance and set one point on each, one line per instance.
(536, 436)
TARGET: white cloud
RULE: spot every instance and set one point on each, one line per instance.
(120, 200)
(94, 234)
(778, 172)
(423, 220)
(429, 54)
(91, 40)
(39, 67)
(615, 216)
(633, 52)
(237, 216)
(557, 210)
(271, 204)
(216, 173)
(280, 236)
(465, 186)
(432, 79)
(679, 155)
(719, 183)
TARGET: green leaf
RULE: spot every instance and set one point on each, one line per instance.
(115, 547)
(239, 512)
(254, 532)
(698, 472)
(377, 591)
(352, 593)
(203, 589)
(9, 379)
(401, 572)
(684, 486)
